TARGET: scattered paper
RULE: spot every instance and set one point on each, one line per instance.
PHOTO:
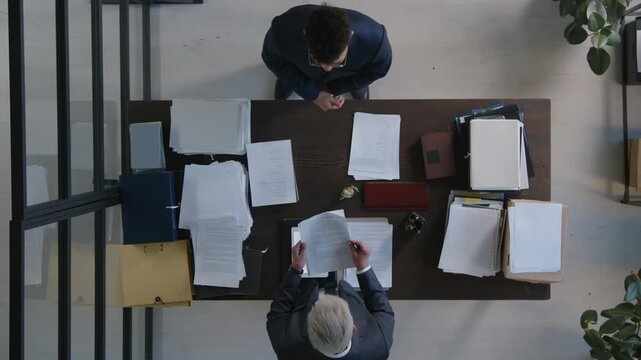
(271, 173)
(295, 239)
(377, 234)
(375, 147)
(327, 237)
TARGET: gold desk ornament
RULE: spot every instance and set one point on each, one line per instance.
(348, 192)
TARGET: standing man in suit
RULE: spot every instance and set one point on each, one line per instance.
(322, 52)
(305, 324)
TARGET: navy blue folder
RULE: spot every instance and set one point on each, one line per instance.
(148, 207)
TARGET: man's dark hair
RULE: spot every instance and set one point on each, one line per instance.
(327, 32)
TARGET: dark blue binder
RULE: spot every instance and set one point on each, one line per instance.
(148, 207)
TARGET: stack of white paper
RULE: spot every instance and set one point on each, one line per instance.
(375, 147)
(218, 252)
(210, 127)
(271, 173)
(536, 231)
(214, 208)
(497, 155)
(327, 237)
(377, 234)
(212, 191)
(472, 240)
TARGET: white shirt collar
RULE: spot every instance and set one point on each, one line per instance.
(342, 354)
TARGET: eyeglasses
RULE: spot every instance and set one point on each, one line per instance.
(315, 63)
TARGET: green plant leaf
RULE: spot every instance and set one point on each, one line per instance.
(596, 7)
(581, 17)
(625, 309)
(598, 355)
(637, 309)
(588, 317)
(596, 22)
(614, 38)
(567, 7)
(599, 40)
(626, 331)
(621, 354)
(599, 60)
(625, 345)
(575, 34)
(625, 3)
(633, 291)
(593, 339)
(612, 325)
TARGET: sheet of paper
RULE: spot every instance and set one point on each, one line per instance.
(471, 240)
(218, 257)
(536, 237)
(378, 236)
(375, 146)
(295, 239)
(271, 173)
(327, 239)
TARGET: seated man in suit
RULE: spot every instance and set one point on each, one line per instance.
(322, 52)
(303, 324)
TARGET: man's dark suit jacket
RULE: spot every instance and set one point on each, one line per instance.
(369, 54)
(372, 314)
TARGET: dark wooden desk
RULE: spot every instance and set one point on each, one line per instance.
(321, 145)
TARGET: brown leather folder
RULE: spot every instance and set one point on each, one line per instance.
(438, 154)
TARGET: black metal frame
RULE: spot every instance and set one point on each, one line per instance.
(627, 199)
(59, 211)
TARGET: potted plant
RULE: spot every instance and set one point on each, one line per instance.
(617, 337)
(597, 19)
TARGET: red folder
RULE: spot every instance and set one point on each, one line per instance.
(396, 196)
(438, 154)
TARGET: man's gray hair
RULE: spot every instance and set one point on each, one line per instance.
(330, 325)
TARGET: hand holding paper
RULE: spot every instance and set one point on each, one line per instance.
(299, 257)
(360, 254)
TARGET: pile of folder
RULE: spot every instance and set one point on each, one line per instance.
(375, 147)
(496, 143)
(210, 127)
(216, 211)
(473, 235)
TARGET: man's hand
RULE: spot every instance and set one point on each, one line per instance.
(299, 258)
(327, 101)
(360, 254)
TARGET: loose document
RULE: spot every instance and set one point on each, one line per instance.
(377, 234)
(326, 236)
(210, 127)
(216, 211)
(375, 147)
(271, 173)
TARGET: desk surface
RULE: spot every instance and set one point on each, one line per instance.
(321, 144)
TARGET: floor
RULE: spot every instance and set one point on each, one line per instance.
(442, 49)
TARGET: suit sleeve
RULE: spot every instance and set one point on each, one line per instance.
(377, 304)
(281, 309)
(367, 74)
(286, 71)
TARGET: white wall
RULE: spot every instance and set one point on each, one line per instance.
(442, 49)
